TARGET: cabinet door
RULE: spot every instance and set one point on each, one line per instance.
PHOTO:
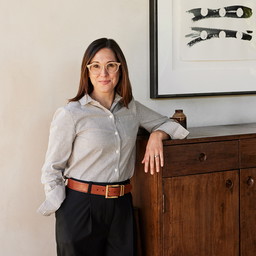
(201, 215)
(248, 211)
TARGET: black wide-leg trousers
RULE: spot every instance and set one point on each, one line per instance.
(91, 225)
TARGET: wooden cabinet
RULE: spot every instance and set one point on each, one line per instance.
(248, 211)
(204, 200)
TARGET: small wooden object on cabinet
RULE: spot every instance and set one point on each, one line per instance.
(203, 203)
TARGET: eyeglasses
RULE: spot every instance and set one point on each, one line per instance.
(96, 68)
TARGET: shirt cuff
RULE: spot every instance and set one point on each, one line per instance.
(175, 130)
(53, 201)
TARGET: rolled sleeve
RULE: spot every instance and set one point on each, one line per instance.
(153, 121)
(174, 130)
(62, 134)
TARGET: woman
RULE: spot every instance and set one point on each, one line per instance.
(92, 145)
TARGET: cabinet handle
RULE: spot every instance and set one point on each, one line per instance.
(229, 184)
(202, 157)
(250, 181)
(163, 206)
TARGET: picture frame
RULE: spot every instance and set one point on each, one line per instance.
(221, 66)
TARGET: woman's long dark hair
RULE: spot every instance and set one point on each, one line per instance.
(123, 87)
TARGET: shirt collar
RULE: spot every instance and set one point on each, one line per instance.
(86, 99)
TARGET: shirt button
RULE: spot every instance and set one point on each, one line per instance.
(115, 170)
(117, 151)
(111, 116)
(116, 133)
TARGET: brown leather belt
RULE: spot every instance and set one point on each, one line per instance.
(109, 191)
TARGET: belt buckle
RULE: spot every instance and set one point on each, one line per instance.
(114, 186)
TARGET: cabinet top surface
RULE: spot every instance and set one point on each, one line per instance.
(217, 133)
(222, 130)
(213, 133)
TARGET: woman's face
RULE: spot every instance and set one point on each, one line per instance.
(104, 82)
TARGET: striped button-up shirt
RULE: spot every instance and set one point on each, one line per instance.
(91, 143)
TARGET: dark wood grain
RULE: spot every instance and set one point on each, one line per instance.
(248, 153)
(147, 192)
(248, 211)
(203, 201)
(201, 215)
(200, 158)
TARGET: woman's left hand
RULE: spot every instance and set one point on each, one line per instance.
(154, 159)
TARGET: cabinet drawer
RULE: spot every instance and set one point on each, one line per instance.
(248, 153)
(200, 158)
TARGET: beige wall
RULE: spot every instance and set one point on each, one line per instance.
(41, 46)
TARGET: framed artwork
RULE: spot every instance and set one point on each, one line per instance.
(202, 48)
